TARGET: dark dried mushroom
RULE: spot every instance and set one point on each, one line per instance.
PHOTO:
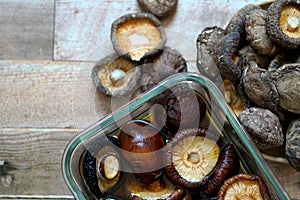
(227, 166)
(247, 54)
(180, 108)
(226, 58)
(257, 36)
(206, 43)
(244, 186)
(263, 126)
(191, 157)
(141, 143)
(283, 23)
(137, 36)
(99, 185)
(292, 146)
(287, 82)
(237, 22)
(115, 76)
(160, 8)
(161, 66)
(259, 87)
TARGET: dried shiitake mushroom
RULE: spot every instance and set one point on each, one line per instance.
(263, 126)
(257, 36)
(292, 147)
(206, 44)
(160, 8)
(191, 157)
(237, 22)
(226, 58)
(283, 23)
(115, 76)
(137, 36)
(244, 187)
(259, 87)
(141, 142)
(99, 174)
(287, 82)
(161, 66)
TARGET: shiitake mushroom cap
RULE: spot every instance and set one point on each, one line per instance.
(141, 143)
(244, 186)
(283, 23)
(123, 83)
(137, 36)
(160, 8)
(158, 67)
(286, 79)
(90, 164)
(190, 157)
(292, 149)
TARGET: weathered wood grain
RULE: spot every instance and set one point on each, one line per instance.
(39, 94)
(82, 28)
(36, 154)
(26, 29)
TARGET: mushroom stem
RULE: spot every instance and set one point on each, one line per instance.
(292, 23)
(116, 75)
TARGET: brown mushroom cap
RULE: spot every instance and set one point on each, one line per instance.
(137, 36)
(283, 23)
(115, 76)
(263, 126)
(191, 157)
(287, 82)
(160, 8)
(292, 149)
(244, 186)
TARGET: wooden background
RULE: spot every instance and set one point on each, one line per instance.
(47, 51)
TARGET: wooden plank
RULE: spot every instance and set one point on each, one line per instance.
(288, 177)
(82, 28)
(49, 94)
(26, 29)
(37, 154)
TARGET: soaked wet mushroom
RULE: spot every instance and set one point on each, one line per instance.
(244, 186)
(137, 36)
(263, 126)
(206, 43)
(102, 166)
(227, 166)
(255, 27)
(179, 109)
(115, 76)
(160, 8)
(141, 142)
(161, 66)
(292, 146)
(287, 82)
(191, 157)
(259, 87)
(226, 58)
(283, 23)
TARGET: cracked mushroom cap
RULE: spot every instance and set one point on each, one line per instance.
(287, 82)
(191, 158)
(115, 76)
(137, 36)
(283, 23)
(160, 8)
(292, 147)
(244, 186)
(263, 126)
